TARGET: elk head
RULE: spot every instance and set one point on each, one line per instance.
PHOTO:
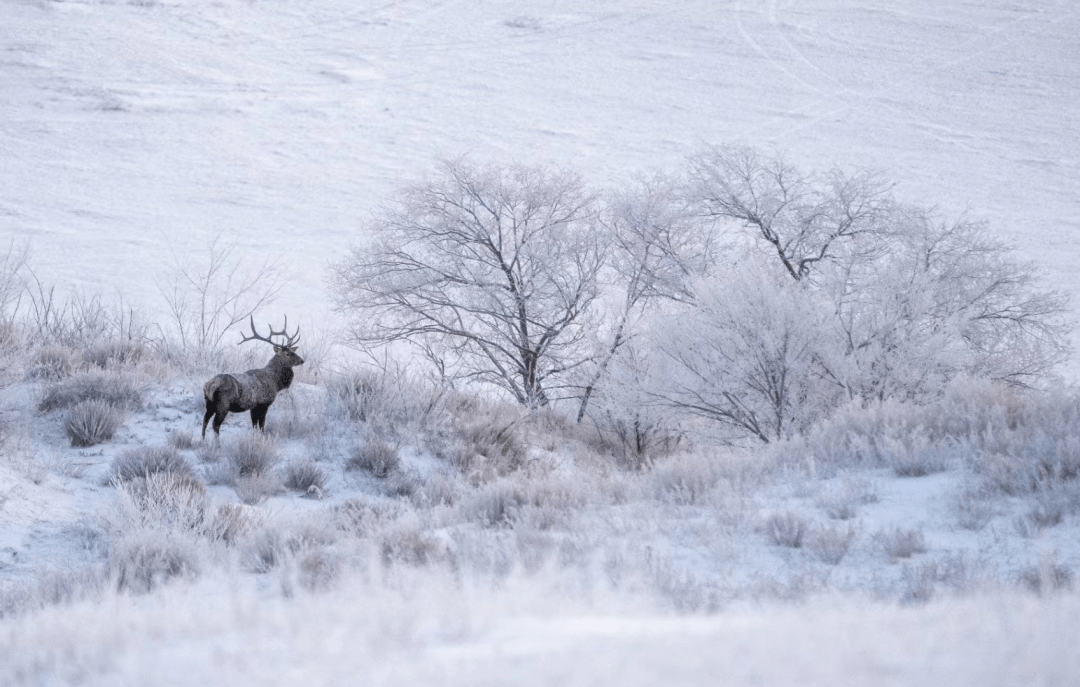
(285, 353)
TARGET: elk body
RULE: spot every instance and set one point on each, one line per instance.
(253, 390)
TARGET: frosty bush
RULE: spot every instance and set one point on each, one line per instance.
(143, 561)
(901, 543)
(786, 529)
(117, 390)
(307, 477)
(253, 454)
(92, 422)
(830, 543)
(53, 363)
(375, 456)
(146, 460)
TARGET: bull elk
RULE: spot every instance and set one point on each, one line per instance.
(253, 390)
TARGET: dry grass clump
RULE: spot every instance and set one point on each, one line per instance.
(181, 439)
(146, 460)
(409, 545)
(362, 518)
(375, 456)
(168, 500)
(307, 477)
(686, 480)
(786, 529)
(143, 561)
(115, 354)
(901, 543)
(253, 454)
(52, 363)
(842, 501)
(115, 389)
(830, 544)
(92, 422)
(1048, 576)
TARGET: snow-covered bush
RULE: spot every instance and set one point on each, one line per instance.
(118, 390)
(378, 457)
(253, 454)
(306, 476)
(830, 543)
(142, 561)
(901, 543)
(747, 355)
(786, 529)
(93, 422)
(146, 460)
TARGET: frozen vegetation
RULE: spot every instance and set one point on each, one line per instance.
(584, 398)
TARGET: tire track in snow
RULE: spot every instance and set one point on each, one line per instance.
(1065, 8)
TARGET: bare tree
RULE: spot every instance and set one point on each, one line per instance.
(801, 218)
(745, 355)
(927, 300)
(657, 248)
(208, 296)
(13, 278)
(491, 272)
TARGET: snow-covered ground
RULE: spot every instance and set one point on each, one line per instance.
(132, 131)
(129, 128)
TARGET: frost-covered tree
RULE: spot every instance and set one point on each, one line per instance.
(926, 300)
(746, 354)
(800, 219)
(490, 271)
(657, 247)
(843, 293)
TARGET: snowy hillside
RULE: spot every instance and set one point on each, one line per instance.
(128, 127)
(387, 529)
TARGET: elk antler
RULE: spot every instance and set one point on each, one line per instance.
(291, 340)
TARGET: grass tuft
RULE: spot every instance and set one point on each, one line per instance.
(93, 422)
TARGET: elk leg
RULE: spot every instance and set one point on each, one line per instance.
(258, 416)
(206, 418)
(219, 417)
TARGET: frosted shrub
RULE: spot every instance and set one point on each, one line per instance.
(115, 354)
(913, 455)
(409, 545)
(93, 422)
(256, 488)
(111, 388)
(253, 454)
(901, 543)
(388, 402)
(318, 570)
(842, 502)
(143, 561)
(52, 363)
(786, 529)
(146, 460)
(375, 456)
(361, 518)
(181, 439)
(830, 543)
(306, 476)
(1047, 576)
(493, 444)
(685, 480)
(167, 500)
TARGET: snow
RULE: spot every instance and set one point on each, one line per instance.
(132, 131)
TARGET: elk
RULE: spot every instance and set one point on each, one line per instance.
(253, 390)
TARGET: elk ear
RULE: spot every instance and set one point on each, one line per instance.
(278, 349)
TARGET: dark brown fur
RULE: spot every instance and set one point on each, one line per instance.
(253, 390)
